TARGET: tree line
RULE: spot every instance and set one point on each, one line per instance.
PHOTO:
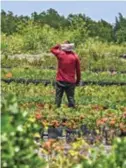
(105, 31)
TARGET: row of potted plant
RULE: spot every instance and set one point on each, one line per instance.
(76, 130)
(110, 96)
(37, 74)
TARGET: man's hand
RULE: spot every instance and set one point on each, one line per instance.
(56, 50)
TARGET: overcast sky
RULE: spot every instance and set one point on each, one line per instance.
(96, 10)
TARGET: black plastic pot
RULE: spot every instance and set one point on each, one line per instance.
(54, 133)
(7, 80)
(123, 134)
(47, 83)
(84, 129)
(123, 56)
(72, 134)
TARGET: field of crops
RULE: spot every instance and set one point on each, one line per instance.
(37, 134)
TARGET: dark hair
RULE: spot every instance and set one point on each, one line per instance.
(68, 42)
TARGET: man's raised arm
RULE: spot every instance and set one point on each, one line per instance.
(56, 50)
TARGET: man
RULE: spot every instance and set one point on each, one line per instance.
(68, 67)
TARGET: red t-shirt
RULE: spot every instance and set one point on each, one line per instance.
(68, 65)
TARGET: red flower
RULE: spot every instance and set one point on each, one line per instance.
(112, 122)
(38, 116)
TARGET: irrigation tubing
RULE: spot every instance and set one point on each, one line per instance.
(47, 82)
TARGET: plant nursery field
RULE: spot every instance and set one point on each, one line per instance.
(37, 134)
(34, 132)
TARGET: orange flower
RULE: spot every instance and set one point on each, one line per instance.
(59, 148)
(55, 123)
(48, 144)
(38, 116)
(8, 75)
(122, 127)
(104, 119)
(99, 122)
(112, 122)
(97, 107)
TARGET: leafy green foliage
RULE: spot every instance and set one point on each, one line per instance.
(50, 17)
(120, 29)
(114, 159)
(101, 29)
(110, 96)
(30, 73)
(95, 44)
(18, 149)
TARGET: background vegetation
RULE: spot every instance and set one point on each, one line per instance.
(26, 43)
(99, 44)
(105, 31)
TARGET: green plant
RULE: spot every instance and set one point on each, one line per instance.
(18, 149)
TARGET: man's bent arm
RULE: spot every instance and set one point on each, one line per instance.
(56, 50)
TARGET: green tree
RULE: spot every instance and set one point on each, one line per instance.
(50, 17)
(10, 23)
(101, 29)
(78, 28)
(120, 29)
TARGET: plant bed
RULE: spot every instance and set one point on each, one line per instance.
(53, 68)
(36, 74)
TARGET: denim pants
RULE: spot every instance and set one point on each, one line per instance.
(69, 89)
